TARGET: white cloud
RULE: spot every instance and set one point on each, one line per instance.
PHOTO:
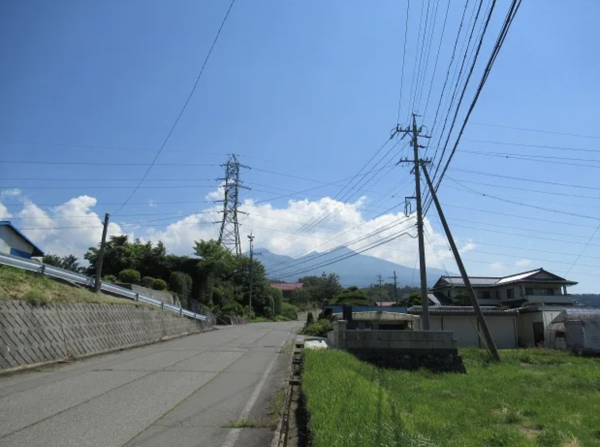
(523, 262)
(74, 226)
(152, 204)
(13, 192)
(496, 266)
(70, 228)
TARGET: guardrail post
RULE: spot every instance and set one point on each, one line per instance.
(137, 296)
(181, 311)
(162, 305)
(43, 270)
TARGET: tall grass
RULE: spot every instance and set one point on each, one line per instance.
(533, 398)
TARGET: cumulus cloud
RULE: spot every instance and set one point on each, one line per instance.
(295, 229)
(523, 262)
(70, 228)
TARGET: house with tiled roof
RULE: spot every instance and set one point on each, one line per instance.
(535, 286)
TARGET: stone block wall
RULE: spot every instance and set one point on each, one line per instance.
(37, 334)
(404, 349)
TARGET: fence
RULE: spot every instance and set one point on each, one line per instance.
(55, 272)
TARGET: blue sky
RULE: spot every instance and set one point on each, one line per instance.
(301, 89)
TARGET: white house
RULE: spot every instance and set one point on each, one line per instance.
(13, 242)
(534, 286)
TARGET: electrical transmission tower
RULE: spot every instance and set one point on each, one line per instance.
(229, 236)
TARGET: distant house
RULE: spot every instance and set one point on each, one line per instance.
(13, 242)
(534, 286)
(287, 287)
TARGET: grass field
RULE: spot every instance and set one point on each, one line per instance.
(533, 398)
(38, 290)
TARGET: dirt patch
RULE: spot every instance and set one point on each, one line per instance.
(530, 432)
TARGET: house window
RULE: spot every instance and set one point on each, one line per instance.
(550, 292)
(497, 294)
(528, 291)
(484, 295)
(510, 293)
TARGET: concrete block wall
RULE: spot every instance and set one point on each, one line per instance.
(38, 334)
(434, 350)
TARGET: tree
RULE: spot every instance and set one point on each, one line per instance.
(302, 298)
(215, 262)
(413, 300)
(181, 284)
(68, 262)
(322, 289)
(462, 299)
(54, 260)
(352, 296)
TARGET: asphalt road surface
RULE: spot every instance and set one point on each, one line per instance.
(185, 392)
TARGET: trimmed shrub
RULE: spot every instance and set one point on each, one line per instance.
(129, 276)
(159, 284)
(147, 281)
(289, 311)
(318, 328)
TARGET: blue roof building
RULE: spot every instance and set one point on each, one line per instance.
(13, 242)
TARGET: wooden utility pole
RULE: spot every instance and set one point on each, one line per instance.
(480, 318)
(100, 260)
(395, 278)
(251, 238)
(380, 280)
(415, 134)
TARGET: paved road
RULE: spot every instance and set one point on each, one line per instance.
(179, 393)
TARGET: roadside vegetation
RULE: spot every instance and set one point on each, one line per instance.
(533, 397)
(39, 290)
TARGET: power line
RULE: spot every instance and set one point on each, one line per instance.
(540, 158)
(106, 187)
(496, 50)
(538, 130)
(531, 190)
(90, 163)
(567, 213)
(164, 143)
(538, 146)
(403, 58)
(523, 179)
(519, 216)
(437, 57)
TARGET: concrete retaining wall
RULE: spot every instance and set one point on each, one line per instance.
(31, 334)
(405, 349)
(164, 297)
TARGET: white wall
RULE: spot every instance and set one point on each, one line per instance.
(9, 239)
(503, 330)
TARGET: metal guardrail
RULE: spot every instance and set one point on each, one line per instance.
(56, 272)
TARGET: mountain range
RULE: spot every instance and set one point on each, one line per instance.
(357, 270)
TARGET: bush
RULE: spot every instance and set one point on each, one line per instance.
(147, 281)
(159, 284)
(310, 319)
(289, 311)
(181, 284)
(109, 278)
(129, 276)
(318, 328)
